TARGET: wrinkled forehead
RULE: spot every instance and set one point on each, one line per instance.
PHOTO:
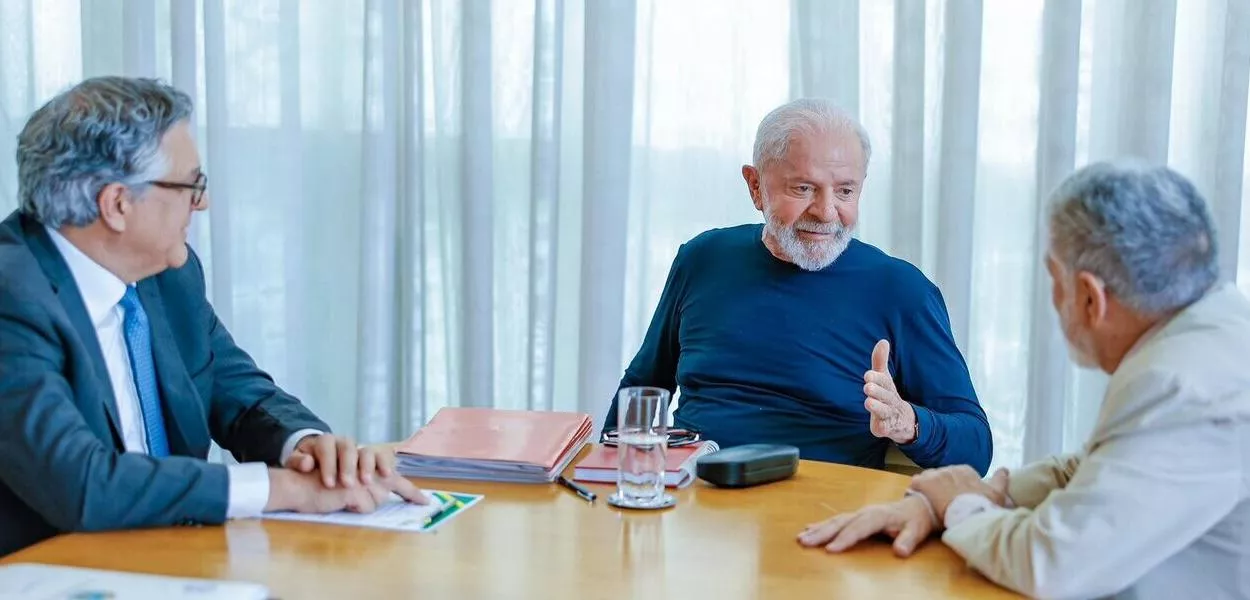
(835, 155)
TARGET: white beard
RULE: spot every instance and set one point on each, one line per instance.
(1082, 358)
(1079, 348)
(809, 256)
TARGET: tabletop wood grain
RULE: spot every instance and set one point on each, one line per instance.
(542, 541)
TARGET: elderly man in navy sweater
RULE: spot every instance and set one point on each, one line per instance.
(794, 332)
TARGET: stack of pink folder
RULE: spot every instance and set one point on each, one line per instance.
(495, 445)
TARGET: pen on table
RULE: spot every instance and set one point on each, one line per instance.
(588, 495)
(449, 502)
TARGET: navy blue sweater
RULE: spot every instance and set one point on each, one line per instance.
(765, 352)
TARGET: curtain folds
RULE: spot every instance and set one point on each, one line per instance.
(426, 203)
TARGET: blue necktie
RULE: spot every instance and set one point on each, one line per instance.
(138, 334)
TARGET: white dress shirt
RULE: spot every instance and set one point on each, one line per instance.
(102, 292)
(961, 508)
(966, 506)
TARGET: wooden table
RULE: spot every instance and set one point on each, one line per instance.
(542, 541)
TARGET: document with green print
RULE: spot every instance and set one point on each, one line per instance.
(396, 514)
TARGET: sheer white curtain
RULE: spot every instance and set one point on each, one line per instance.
(977, 110)
(419, 203)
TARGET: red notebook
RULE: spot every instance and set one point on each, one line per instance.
(494, 444)
(601, 465)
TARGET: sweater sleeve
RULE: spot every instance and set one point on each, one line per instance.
(655, 364)
(931, 374)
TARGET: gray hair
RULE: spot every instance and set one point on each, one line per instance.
(805, 115)
(1144, 230)
(101, 131)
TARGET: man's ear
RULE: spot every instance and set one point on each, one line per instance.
(115, 203)
(1091, 295)
(752, 177)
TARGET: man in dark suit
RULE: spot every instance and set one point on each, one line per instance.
(115, 373)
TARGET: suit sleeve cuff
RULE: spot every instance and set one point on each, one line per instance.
(966, 506)
(248, 486)
(289, 447)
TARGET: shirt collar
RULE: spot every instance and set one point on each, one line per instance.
(1156, 329)
(100, 289)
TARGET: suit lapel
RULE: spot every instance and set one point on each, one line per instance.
(171, 374)
(66, 290)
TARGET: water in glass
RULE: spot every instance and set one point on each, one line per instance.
(642, 466)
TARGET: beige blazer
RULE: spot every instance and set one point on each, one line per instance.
(1158, 503)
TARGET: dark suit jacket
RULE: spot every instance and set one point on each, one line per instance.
(63, 466)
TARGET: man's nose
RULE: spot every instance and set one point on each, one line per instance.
(824, 208)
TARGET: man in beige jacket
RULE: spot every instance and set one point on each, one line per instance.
(1158, 503)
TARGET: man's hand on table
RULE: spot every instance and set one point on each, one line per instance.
(909, 521)
(339, 461)
(290, 490)
(328, 473)
(942, 486)
(913, 519)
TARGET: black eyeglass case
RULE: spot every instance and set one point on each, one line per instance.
(748, 465)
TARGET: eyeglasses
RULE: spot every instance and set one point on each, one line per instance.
(197, 188)
(676, 437)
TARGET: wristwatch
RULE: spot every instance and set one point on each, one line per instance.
(915, 427)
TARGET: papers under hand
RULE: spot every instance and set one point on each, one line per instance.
(395, 514)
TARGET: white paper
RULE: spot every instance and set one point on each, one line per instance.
(395, 514)
(54, 582)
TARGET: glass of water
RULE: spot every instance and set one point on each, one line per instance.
(642, 444)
